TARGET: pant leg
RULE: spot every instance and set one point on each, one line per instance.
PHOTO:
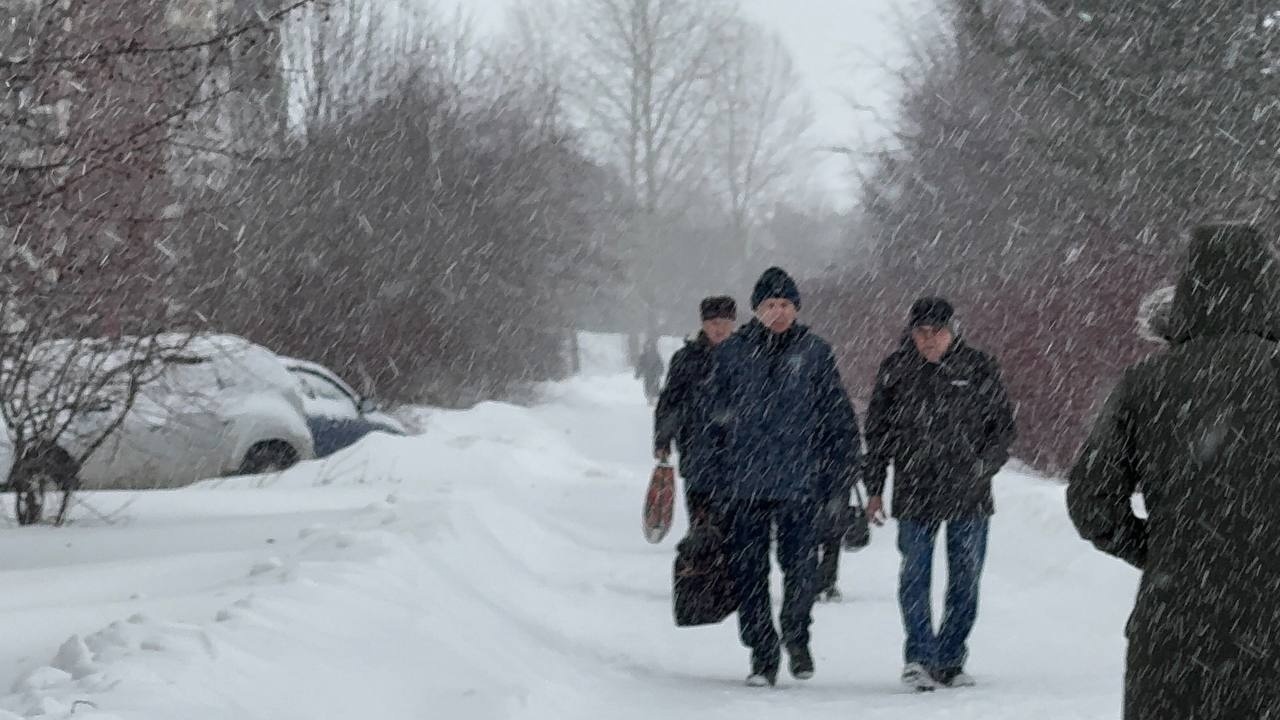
(966, 555)
(830, 541)
(828, 564)
(749, 550)
(698, 504)
(798, 556)
(652, 388)
(915, 543)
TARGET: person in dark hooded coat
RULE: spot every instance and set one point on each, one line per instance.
(1196, 431)
(791, 443)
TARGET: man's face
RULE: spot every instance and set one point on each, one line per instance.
(718, 329)
(777, 314)
(932, 341)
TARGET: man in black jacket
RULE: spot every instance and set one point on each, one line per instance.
(684, 410)
(940, 415)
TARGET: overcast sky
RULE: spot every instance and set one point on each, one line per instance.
(842, 47)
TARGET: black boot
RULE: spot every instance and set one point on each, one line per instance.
(764, 667)
(801, 661)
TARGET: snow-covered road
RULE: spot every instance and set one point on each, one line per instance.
(494, 568)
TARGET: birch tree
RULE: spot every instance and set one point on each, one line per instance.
(761, 117)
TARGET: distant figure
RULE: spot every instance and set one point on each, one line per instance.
(633, 348)
(649, 368)
(1195, 430)
(940, 415)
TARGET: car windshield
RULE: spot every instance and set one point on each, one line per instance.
(319, 387)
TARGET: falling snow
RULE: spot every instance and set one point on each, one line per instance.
(1030, 249)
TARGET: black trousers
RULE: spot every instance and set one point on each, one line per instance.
(796, 542)
(829, 544)
(828, 563)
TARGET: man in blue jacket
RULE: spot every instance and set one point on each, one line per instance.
(792, 442)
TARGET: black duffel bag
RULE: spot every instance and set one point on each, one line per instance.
(703, 587)
(851, 528)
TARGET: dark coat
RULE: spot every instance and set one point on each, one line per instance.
(1196, 430)
(683, 415)
(945, 427)
(790, 431)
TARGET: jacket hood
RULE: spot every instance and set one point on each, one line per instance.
(1230, 286)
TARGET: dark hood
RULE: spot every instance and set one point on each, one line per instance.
(1229, 287)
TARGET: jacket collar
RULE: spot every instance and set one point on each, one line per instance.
(908, 350)
(756, 333)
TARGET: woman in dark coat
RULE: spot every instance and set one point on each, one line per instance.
(1196, 430)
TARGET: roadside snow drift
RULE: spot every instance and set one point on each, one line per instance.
(493, 567)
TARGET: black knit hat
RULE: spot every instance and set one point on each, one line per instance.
(775, 283)
(719, 307)
(931, 311)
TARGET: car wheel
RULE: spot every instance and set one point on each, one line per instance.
(270, 456)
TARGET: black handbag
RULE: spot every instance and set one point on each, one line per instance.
(703, 589)
(857, 534)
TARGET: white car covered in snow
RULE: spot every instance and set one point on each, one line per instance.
(219, 405)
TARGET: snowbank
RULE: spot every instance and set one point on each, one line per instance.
(493, 567)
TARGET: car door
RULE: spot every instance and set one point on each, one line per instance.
(176, 423)
(131, 455)
(333, 412)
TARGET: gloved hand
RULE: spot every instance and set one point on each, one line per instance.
(831, 517)
(985, 469)
(875, 510)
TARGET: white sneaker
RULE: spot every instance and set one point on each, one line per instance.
(918, 678)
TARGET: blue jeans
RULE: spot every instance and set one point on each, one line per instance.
(966, 552)
(797, 554)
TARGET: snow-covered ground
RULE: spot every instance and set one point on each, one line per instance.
(494, 568)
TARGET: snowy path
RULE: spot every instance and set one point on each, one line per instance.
(494, 568)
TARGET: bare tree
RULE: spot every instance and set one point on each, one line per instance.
(422, 238)
(640, 76)
(101, 101)
(1051, 154)
(761, 117)
(345, 54)
(535, 56)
